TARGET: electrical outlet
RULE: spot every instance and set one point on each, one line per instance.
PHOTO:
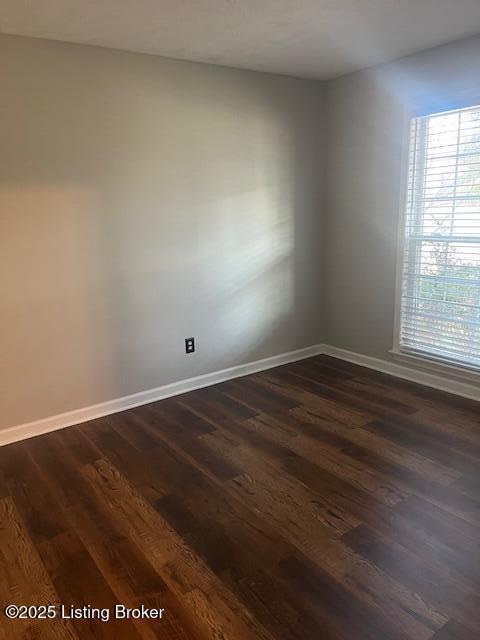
(189, 345)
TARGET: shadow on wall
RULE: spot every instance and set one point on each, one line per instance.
(143, 201)
(368, 114)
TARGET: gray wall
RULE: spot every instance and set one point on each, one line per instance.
(366, 112)
(143, 200)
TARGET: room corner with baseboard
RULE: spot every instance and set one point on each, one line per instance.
(240, 320)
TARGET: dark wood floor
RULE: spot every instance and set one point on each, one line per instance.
(315, 501)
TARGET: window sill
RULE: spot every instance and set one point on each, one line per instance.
(437, 366)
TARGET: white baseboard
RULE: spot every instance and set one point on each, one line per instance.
(456, 387)
(60, 421)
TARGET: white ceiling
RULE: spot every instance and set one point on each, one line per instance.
(307, 38)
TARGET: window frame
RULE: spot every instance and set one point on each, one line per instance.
(427, 361)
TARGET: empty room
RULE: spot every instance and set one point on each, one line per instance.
(240, 320)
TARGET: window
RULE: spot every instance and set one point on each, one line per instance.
(440, 289)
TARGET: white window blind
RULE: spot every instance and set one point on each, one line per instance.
(440, 293)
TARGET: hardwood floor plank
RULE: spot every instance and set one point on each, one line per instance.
(280, 497)
(204, 598)
(339, 610)
(319, 499)
(413, 570)
(372, 442)
(352, 393)
(33, 499)
(453, 630)
(239, 569)
(141, 468)
(248, 394)
(404, 608)
(410, 437)
(79, 583)
(124, 568)
(333, 459)
(175, 434)
(249, 531)
(24, 580)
